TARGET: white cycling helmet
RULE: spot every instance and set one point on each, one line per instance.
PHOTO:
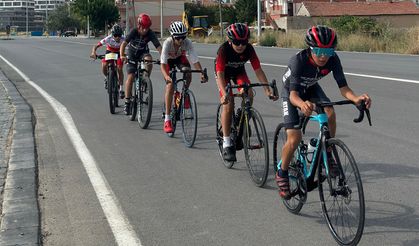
(177, 29)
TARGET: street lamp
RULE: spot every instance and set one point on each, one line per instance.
(221, 19)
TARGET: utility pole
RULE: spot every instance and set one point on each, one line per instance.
(221, 19)
(259, 14)
(161, 19)
(27, 18)
(88, 20)
(126, 17)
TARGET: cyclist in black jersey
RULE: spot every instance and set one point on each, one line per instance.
(229, 66)
(137, 42)
(301, 89)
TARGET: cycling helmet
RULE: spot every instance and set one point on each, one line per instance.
(144, 20)
(177, 28)
(321, 36)
(116, 30)
(237, 31)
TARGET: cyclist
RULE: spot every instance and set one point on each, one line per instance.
(301, 89)
(175, 49)
(231, 57)
(113, 43)
(137, 42)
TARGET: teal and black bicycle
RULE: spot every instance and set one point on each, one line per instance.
(341, 194)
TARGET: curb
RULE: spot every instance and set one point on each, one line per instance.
(20, 223)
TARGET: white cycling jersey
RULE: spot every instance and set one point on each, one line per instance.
(186, 48)
(111, 44)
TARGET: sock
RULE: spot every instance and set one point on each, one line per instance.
(166, 117)
(226, 142)
(282, 173)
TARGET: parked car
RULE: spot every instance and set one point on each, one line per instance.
(69, 34)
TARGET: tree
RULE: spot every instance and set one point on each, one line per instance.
(101, 12)
(60, 19)
(246, 10)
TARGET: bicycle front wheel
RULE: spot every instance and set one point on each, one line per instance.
(342, 197)
(133, 106)
(112, 91)
(189, 118)
(145, 102)
(256, 149)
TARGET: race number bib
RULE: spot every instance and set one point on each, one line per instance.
(111, 56)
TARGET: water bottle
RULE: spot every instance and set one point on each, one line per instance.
(177, 98)
(310, 149)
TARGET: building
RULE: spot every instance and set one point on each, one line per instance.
(300, 14)
(172, 10)
(42, 7)
(18, 14)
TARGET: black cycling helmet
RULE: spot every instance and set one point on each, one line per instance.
(321, 36)
(116, 30)
(237, 31)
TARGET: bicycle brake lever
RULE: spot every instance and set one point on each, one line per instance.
(368, 116)
(361, 109)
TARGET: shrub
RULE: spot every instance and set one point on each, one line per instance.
(268, 39)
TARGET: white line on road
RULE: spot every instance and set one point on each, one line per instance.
(123, 231)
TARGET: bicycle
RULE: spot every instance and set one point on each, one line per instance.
(339, 191)
(184, 107)
(141, 103)
(112, 80)
(247, 132)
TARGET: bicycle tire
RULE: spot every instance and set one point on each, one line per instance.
(189, 118)
(219, 138)
(343, 196)
(255, 138)
(111, 82)
(145, 102)
(133, 106)
(298, 185)
(115, 90)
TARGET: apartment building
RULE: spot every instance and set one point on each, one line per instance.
(18, 14)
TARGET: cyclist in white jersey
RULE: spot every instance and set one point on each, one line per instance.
(175, 49)
(113, 43)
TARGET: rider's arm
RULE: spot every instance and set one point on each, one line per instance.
(193, 57)
(164, 56)
(220, 65)
(122, 49)
(350, 95)
(93, 54)
(260, 74)
(306, 106)
(221, 82)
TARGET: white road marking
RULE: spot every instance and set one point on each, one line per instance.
(123, 231)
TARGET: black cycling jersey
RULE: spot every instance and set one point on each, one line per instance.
(302, 73)
(138, 45)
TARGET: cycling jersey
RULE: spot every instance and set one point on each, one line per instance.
(302, 72)
(169, 52)
(232, 63)
(138, 45)
(111, 44)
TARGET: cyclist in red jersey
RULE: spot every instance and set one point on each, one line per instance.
(229, 66)
(113, 43)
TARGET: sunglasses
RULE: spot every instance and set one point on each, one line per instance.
(328, 52)
(240, 42)
(117, 36)
(180, 37)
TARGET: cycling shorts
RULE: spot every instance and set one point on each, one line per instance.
(133, 64)
(179, 62)
(290, 112)
(238, 79)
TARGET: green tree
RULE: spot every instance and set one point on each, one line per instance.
(246, 10)
(60, 19)
(101, 12)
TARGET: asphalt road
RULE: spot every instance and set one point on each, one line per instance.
(172, 195)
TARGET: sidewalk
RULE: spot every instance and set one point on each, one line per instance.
(20, 223)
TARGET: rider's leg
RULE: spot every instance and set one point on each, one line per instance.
(293, 139)
(228, 110)
(104, 69)
(331, 116)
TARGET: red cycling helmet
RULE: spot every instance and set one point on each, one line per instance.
(321, 36)
(237, 31)
(144, 20)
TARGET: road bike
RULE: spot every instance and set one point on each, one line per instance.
(184, 107)
(112, 80)
(342, 195)
(247, 132)
(141, 103)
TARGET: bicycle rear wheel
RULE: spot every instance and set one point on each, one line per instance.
(145, 102)
(112, 91)
(133, 107)
(189, 118)
(256, 148)
(219, 138)
(342, 197)
(298, 185)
